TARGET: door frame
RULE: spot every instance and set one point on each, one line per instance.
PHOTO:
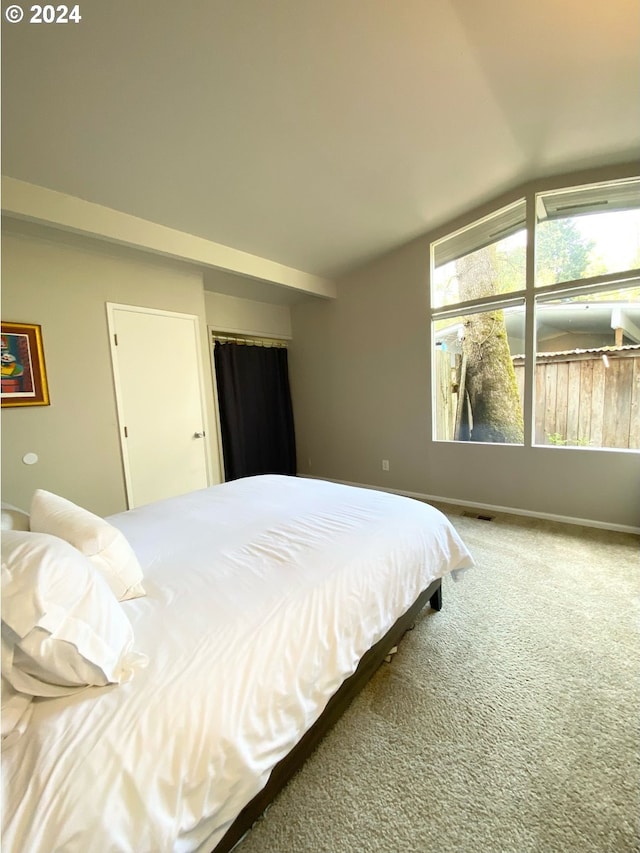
(112, 307)
(216, 400)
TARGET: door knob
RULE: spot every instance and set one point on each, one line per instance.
(198, 435)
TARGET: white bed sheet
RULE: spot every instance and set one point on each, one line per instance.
(262, 596)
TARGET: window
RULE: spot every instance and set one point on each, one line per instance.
(586, 232)
(483, 268)
(473, 350)
(585, 292)
(587, 390)
(484, 259)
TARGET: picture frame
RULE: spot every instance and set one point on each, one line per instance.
(24, 376)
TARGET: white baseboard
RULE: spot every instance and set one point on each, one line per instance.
(564, 519)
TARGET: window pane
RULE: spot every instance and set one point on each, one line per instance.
(479, 377)
(587, 387)
(587, 232)
(485, 259)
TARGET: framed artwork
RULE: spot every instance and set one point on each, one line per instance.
(24, 378)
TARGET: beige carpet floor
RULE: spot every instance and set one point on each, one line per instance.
(507, 723)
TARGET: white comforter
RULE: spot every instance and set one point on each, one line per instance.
(262, 595)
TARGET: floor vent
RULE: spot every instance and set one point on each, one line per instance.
(479, 515)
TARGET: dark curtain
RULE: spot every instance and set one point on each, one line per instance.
(256, 416)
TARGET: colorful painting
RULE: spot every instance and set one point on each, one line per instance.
(24, 380)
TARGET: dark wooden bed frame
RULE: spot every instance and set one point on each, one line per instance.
(337, 705)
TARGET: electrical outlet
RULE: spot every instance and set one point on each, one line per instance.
(385, 464)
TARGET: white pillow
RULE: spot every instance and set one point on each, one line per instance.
(101, 542)
(14, 518)
(62, 627)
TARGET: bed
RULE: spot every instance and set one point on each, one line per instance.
(263, 604)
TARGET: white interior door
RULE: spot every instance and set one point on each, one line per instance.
(161, 412)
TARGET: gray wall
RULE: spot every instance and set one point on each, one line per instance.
(63, 283)
(227, 313)
(359, 376)
(360, 369)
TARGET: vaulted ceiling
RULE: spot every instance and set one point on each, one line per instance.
(316, 133)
